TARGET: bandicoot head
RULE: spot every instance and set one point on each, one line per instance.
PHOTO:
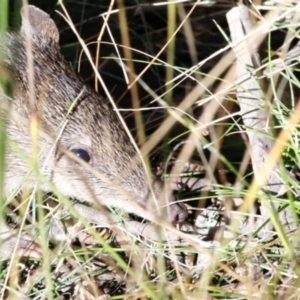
(71, 117)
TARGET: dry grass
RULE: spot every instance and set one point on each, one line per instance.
(175, 60)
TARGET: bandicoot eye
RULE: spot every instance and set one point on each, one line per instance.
(83, 154)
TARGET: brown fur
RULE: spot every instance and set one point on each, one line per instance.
(91, 125)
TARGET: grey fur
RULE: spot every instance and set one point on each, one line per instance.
(91, 125)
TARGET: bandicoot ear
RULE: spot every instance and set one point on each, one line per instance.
(39, 26)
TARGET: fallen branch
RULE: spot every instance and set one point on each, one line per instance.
(253, 108)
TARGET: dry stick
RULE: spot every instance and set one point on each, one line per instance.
(252, 106)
